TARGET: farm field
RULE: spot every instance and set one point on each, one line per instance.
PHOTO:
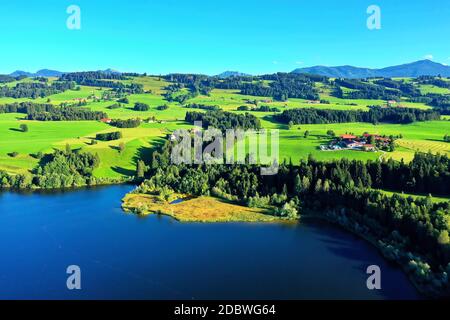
(45, 136)
(419, 136)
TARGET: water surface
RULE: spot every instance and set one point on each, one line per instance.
(130, 257)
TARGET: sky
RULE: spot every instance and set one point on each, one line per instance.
(212, 36)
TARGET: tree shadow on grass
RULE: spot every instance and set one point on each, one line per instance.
(278, 125)
(145, 153)
(124, 171)
(15, 129)
(117, 148)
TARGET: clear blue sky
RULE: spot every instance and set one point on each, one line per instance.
(211, 36)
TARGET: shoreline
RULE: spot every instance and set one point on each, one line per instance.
(421, 289)
(198, 210)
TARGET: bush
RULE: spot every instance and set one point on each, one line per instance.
(24, 127)
(163, 107)
(124, 100)
(109, 136)
(128, 123)
(141, 106)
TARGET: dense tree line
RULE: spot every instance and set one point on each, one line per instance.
(49, 112)
(434, 81)
(280, 86)
(365, 90)
(35, 90)
(26, 107)
(224, 120)
(283, 86)
(407, 89)
(126, 123)
(374, 115)
(66, 114)
(7, 78)
(58, 170)
(109, 136)
(104, 79)
(440, 103)
(81, 77)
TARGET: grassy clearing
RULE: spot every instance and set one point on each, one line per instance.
(426, 88)
(42, 136)
(202, 209)
(416, 196)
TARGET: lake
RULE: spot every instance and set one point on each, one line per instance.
(123, 256)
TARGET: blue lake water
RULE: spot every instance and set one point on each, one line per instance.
(123, 256)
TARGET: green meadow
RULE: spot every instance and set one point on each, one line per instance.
(419, 136)
(46, 136)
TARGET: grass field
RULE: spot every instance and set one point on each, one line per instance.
(425, 89)
(422, 136)
(44, 136)
(202, 209)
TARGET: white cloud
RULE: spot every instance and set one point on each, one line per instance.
(299, 62)
(275, 62)
(429, 57)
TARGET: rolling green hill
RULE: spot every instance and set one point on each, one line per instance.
(17, 149)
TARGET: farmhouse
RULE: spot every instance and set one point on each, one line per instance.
(106, 120)
(366, 142)
(348, 137)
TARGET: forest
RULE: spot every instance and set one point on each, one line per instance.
(62, 169)
(109, 136)
(375, 115)
(126, 123)
(49, 112)
(66, 114)
(103, 79)
(35, 90)
(281, 86)
(224, 120)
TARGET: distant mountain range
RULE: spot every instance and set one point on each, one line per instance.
(414, 69)
(229, 74)
(40, 73)
(49, 73)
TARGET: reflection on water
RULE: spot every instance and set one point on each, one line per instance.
(155, 257)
